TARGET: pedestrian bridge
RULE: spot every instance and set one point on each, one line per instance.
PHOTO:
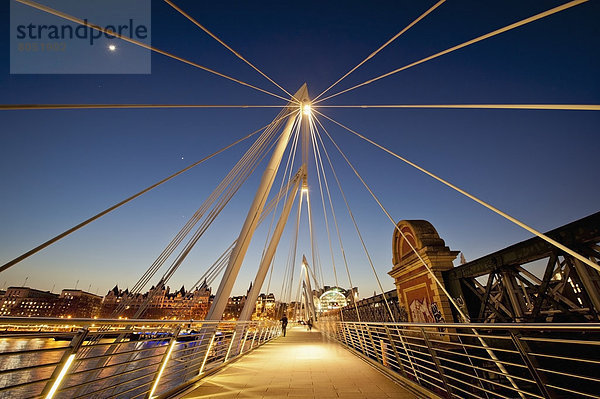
(89, 358)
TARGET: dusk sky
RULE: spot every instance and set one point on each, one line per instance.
(59, 167)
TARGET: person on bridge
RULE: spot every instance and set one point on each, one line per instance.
(284, 321)
(309, 323)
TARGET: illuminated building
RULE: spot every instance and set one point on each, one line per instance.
(27, 302)
(163, 304)
(265, 307)
(77, 303)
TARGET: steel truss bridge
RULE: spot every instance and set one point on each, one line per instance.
(120, 358)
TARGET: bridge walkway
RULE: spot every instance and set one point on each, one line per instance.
(304, 365)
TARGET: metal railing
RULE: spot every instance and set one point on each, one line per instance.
(89, 358)
(482, 360)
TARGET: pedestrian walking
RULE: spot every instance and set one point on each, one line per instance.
(284, 322)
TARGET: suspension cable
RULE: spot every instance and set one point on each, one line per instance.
(465, 44)
(125, 201)
(20, 107)
(463, 316)
(141, 44)
(237, 175)
(231, 190)
(474, 198)
(354, 222)
(198, 24)
(397, 35)
(563, 107)
(247, 158)
(341, 244)
(323, 205)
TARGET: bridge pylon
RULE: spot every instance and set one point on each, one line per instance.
(239, 251)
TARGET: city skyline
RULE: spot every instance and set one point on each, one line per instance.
(59, 167)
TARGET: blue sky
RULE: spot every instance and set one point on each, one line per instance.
(60, 167)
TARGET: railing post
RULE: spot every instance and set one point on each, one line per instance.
(361, 339)
(379, 359)
(66, 361)
(529, 362)
(399, 361)
(340, 332)
(352, 337)
(262, 334)
(230, 345)
(437, 363)
(347, 336)
(244, 340)
(408, 355)
(212, 339)
(164, 361)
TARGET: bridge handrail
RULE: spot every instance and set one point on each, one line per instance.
(88, 321)
(79, 358)
(474, 360)
(490, 326)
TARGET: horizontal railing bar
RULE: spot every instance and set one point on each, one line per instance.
(151, 322)
(572, 391)
(482, 335)
(486, 370)
(29, 351)
(467, 392)
(489, 326)
(582, 377)
(114, 354)
(117, 385)
(121, 322)
(560, 341)
(104, 379)
(551, 356)
(133, 389)
(482, 389)
(468, 366)
(37, 366)
(490, 381)
(99, 344)
(22, 384)
(474, 346)
(107, 366)
(40, 335)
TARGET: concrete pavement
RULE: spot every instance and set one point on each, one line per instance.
(302, 365)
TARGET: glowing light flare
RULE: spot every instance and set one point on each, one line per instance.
(60, 377)
(112, 47)
(306, 109)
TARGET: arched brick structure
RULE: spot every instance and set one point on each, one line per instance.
(418, 292)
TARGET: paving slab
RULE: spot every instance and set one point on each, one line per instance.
(301, 365)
